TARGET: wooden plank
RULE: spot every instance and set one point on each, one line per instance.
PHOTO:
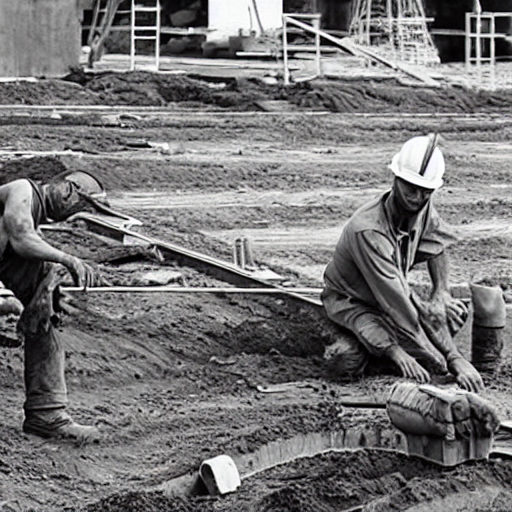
(449, 453)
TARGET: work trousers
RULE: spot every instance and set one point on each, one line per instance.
(374, 333)
(33, 283)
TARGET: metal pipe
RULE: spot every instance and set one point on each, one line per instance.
(198, 289)
(183, 289)
(286, 71)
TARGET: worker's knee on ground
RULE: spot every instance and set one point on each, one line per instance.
(374, 333)
(345, 358)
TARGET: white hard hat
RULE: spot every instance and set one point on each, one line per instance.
(420, 162)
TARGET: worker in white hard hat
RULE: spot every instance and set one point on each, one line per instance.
(366, 290)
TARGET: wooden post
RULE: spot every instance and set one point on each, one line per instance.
(468, 41)
(286, 72)
(132, 37)
(492, 50)
(316, 24)
(478, 43)
(399, 22)
(368, 19)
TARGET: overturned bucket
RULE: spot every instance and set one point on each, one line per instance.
(220, 475)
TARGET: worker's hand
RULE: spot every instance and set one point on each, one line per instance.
(82, 273)
(454, 310)
(456, 314)
(408, 366)
(466, 375)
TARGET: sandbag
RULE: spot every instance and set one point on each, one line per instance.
(423, 409)
(414, 410)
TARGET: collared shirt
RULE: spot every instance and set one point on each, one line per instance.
(372, 259)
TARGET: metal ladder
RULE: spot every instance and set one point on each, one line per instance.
(145, 32)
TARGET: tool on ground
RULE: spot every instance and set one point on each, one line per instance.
(286, 386)
(360, 402)
(242, 253)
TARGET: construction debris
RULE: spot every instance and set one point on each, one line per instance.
(220, 475)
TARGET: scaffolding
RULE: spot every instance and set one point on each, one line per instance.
(397, 27)
(481, 39)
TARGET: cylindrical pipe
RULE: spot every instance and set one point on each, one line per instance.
(489, 318)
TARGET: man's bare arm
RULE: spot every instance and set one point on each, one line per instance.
(26, 242)
(20, 229)
(454, 311)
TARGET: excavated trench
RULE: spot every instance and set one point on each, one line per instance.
(362, 480)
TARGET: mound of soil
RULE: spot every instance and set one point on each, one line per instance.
(139, 88)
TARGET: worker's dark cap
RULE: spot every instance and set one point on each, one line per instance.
(86, 183)
(77, 191)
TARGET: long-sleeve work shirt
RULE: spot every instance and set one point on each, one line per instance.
(372, 259)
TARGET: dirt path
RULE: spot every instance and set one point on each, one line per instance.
(173, 380)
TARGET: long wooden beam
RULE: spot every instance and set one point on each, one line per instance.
(215, 267)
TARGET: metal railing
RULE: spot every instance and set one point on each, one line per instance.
(314, 28)
(480, 45)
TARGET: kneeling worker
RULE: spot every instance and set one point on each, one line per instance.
(366, 289)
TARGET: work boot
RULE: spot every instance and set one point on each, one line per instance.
(56, 423)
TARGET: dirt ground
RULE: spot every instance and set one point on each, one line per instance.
(172, 380)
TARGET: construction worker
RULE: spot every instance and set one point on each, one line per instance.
(366, 290)
(29, 267)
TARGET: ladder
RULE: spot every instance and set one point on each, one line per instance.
(145, 26)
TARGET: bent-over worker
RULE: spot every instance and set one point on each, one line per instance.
(29, 267)
(366, 289)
